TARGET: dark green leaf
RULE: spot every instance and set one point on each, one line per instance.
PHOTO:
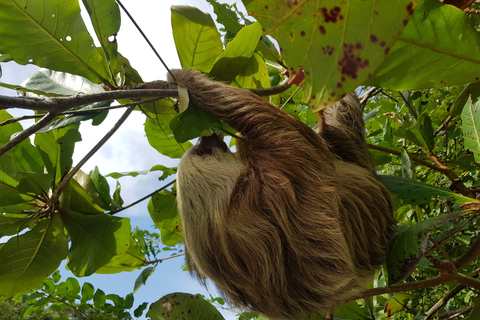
(87, 292)
(192, 123)
(408, 247)
(34, 183)
(56, 148)
(28, 259)
(415, 192)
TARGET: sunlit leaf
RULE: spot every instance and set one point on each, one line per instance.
(96, 239)
(397, 303)
(27, 260)
(143, 277)
(237, 53)
(160, 136)
(338, 44)
(105, 18)
(50, 36)
(439, 47)
(196, 38)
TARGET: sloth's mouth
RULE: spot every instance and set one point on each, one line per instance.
(205, 145)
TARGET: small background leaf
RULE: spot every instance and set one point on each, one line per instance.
(471, 128)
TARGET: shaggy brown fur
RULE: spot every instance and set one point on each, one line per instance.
(295, 220)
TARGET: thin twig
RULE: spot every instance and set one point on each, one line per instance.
(145, 37)
(144, 198)
(368, 94)
(409, 286)
(163, 259)
(28, 132)
(63, 183)
(440, 303)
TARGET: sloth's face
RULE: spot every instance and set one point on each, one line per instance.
(209, 171)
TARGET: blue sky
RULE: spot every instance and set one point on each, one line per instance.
(128, 149)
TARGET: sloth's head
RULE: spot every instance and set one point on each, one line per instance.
(207, 175)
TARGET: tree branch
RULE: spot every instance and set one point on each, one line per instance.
(26, 133)
(63, 183)
(60, 104)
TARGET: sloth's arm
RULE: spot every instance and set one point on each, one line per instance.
(256, 119)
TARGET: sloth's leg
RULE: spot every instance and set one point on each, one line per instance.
(342, 126)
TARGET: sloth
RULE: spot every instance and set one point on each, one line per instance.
(294, 221)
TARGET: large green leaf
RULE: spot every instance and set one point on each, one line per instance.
(132, 259)
(27, 260)
(177, 305)
(237, 54)
(196, 38)
(471, 128)
(50, 35)
(160, 136)
(164, 213)
(338, 44)
(415, 192)
(82, 196)
(439, 47)
(96, 239)
(192, 123)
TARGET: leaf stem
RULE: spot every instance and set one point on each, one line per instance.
(142, 199)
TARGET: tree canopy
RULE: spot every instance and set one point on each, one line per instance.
(414, 63)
